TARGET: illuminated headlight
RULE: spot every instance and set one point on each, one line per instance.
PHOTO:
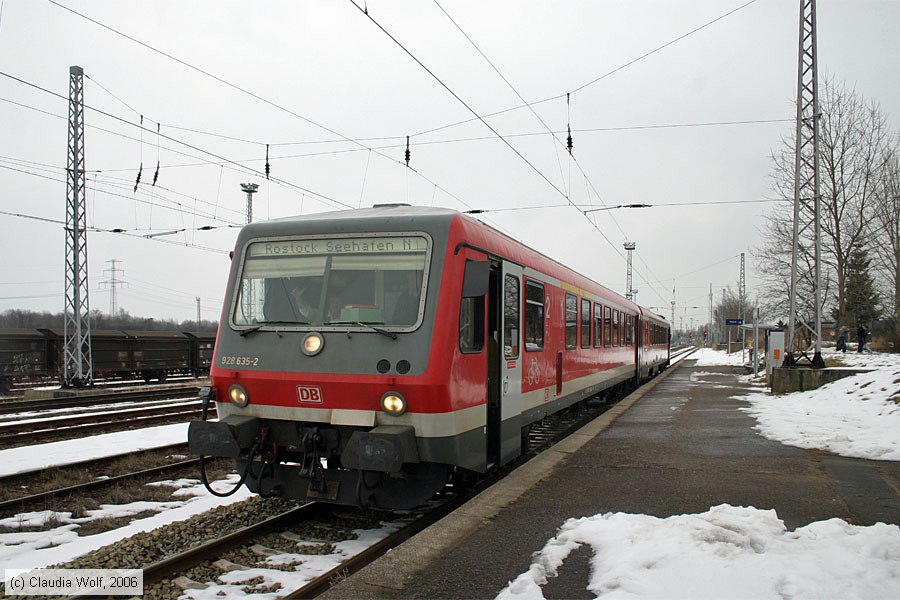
(393, 403)
(238, 396)
(312, 344)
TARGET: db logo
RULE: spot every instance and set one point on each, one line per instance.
(309, 393)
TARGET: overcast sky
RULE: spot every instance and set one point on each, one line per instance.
(335, 98)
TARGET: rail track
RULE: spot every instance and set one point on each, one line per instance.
(546, 433)
(24, 503)
(57, 429)
(19, 390)
(90, 400)
(25, 480)
(250, 540)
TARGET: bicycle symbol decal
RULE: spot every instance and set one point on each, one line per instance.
(534, 372)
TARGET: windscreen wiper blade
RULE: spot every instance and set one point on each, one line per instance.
(368, 326)
(261, 324)
(283, 322)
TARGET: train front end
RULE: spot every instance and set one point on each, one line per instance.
(321, 376)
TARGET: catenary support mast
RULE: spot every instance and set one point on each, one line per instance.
(806, 245)
(77, 364)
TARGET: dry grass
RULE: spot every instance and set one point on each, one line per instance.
(103, 524)
(54, 479)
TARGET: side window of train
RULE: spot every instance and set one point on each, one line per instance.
(607, 326)
(471, 325)
(598, 325)
(571, 321)
(534, 316)
(511, 306)
(585, 323)
(629, 330)
(617, 328)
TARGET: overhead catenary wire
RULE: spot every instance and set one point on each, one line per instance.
(56, 3)
(399, 139)
(458, 98)
(183, 143)
(123, 185)
(122, 231)
(597, 79)
(258, 97)
(568, 145)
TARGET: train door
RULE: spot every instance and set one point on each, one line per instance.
(494, 374)
(638, 347)
(503, 284)
(510, 364)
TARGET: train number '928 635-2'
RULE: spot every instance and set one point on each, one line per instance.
(401, 348)
(239, 361)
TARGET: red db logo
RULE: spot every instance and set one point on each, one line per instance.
(309, 393)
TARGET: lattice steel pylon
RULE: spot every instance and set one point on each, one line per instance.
(742, 295)
(77, 364)
(805, 269)
(629, 290)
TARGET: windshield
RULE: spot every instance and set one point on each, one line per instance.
(333, 281)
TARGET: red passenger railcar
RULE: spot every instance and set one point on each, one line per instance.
(366, 356)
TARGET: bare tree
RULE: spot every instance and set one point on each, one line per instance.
(852, 137)
(886, 218)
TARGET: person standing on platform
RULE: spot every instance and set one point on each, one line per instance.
(861, 334)
(842, 339)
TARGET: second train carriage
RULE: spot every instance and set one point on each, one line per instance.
(35, 354)
(364, 356)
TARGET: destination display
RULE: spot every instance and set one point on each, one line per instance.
(363, 245)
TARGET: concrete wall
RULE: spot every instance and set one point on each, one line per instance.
(800, 379)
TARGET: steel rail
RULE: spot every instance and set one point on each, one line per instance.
(13, 478)
(89, 400)
(105, 415)
(22, 501)
(182, 561)
(36, 436)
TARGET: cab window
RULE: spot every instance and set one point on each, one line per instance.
(471, 325)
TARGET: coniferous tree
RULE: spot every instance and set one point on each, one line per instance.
(861, 297)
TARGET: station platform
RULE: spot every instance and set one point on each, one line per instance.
(677, 446)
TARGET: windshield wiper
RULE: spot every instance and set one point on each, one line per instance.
(369, 326)
(256, 328)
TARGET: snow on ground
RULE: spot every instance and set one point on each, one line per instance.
(707, 357)
(35, 549)
(727, 552)
(306, 568)
(54, 454)
(744, 552)
(733, 552)
(857, 416)
(60, 541)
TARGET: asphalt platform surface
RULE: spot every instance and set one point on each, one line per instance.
(679, 447)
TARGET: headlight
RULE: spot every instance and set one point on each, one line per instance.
(238, 396)
(393, 403)
(312, 344)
